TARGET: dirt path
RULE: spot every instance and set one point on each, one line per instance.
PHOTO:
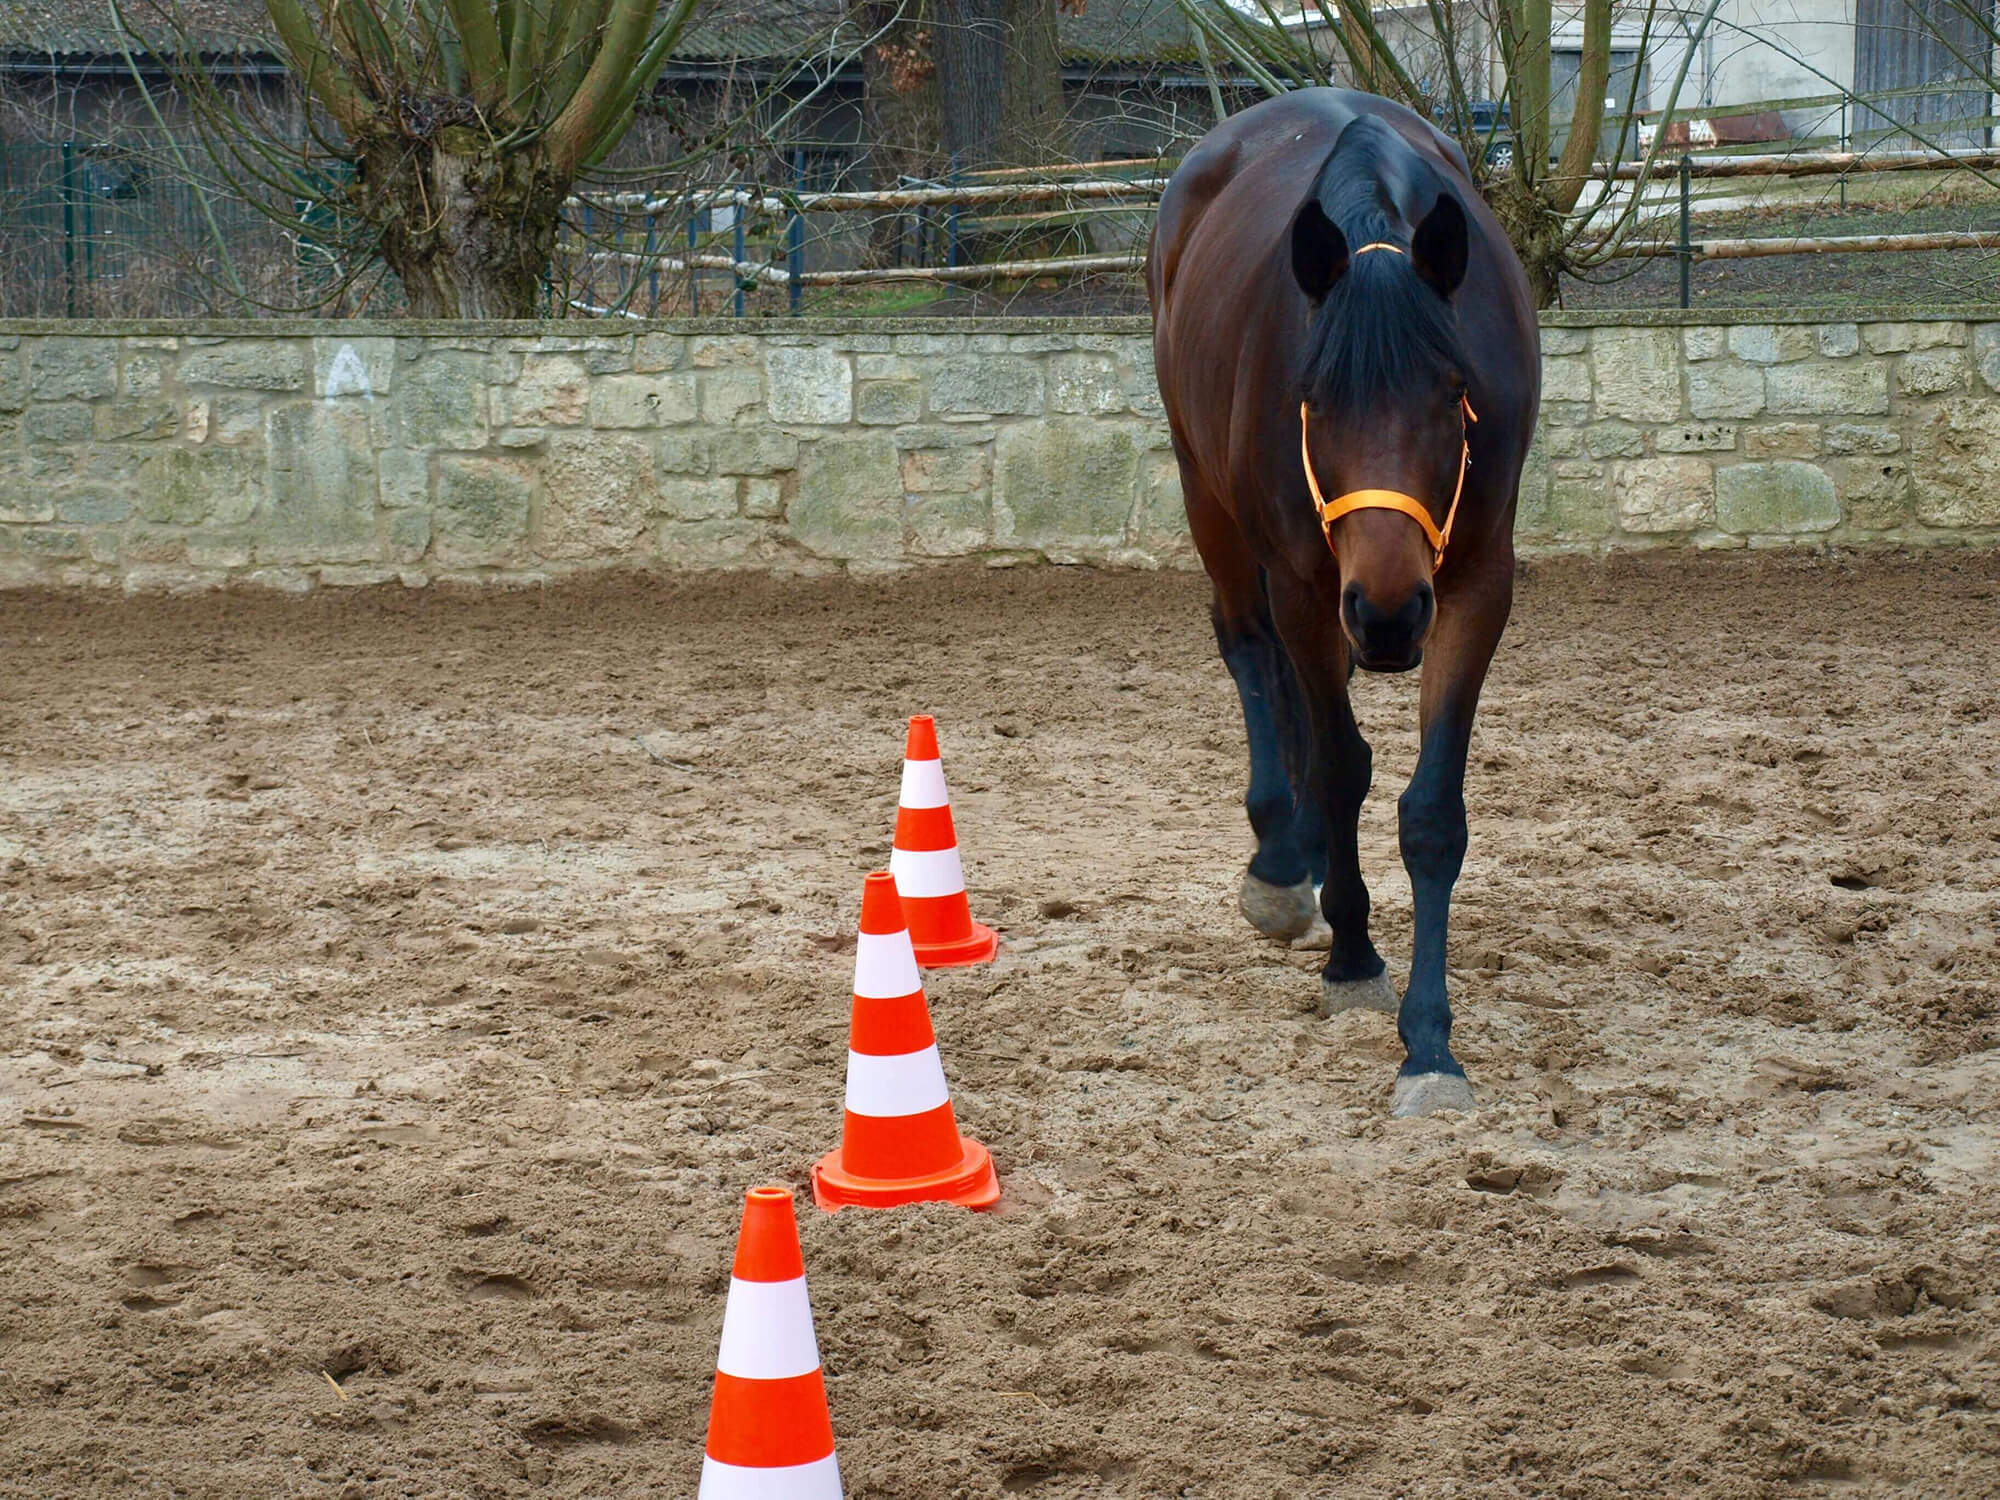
(400, 992)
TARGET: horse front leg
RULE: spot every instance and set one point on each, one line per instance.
(1338, 768)
(1276, 896)
(1431, 825)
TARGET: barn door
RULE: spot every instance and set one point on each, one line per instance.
(1900, 44)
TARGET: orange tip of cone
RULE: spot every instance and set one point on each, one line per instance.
(922, 743)
(767, 1246)
(881, 907)
(970, 1182)
(977, 947)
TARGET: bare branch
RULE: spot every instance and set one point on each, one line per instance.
(322, 72)
(485, 60)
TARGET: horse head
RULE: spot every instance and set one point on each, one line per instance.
(1384, 411)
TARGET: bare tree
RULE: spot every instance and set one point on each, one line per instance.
(450, 131)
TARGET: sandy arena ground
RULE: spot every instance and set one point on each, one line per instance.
(401, 991)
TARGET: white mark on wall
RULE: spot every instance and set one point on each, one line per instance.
(347, 375)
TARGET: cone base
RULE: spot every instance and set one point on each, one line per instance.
(977, 947)
(970, 1183)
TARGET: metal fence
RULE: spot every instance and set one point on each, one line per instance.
(98, 228)
(93, 228)
(719, 248)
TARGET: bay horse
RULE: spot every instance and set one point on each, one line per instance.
(1347, 350)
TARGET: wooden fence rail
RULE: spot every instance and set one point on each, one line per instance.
(1831, 244)
(1132, 260)
(1804, 164)
(640, 205)
(773, 275)
(1775, 164)
(1143, 192)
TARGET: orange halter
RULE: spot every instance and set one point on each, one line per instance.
(1341, 505)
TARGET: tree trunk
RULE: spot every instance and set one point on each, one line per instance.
(970, 45)
(1031, 123)
(470, 232)
(1528, 70)
(999, 75)
(901, 111)
(1587, 118)
(1536, 230)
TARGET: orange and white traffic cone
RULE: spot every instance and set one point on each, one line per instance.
(924, 860)
(900, 1142)
(769, 1434)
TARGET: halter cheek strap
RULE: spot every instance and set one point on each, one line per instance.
(1342, 505)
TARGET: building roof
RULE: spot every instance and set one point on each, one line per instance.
(1107, 32)
(88, 27)
(1129, 31)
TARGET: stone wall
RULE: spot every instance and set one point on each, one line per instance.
(1766, 433)
(289, 454)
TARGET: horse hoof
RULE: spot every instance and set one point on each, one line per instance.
(1337, 995)
(1279, 911)
(1428, 1093)
(1318, 937)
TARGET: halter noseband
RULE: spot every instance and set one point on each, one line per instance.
(1341, 505)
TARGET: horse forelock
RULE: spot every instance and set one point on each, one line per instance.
(1383, 330)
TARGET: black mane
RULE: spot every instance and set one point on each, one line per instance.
(1383, 328)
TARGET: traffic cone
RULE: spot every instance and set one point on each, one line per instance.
(769, 1434)
(900, 1142)
(924, 860)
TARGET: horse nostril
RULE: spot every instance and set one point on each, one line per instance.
(1352, 602)
(1426, 603)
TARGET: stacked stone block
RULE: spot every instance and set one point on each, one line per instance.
(290, 454)
(1757, 434)
(285, 455)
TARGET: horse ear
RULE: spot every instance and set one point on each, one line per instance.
(1319, 251)
(1439, 248)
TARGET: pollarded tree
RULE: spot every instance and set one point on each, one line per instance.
(460, 127)
(468, 121)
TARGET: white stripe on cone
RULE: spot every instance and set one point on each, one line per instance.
(923, 784)
(907, 1084)
(885, 966)
(818, 1480)
(767, 1331)
(929, 872)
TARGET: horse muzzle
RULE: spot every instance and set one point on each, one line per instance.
(1387, 640)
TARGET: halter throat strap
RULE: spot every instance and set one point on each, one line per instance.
(1342, 505)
